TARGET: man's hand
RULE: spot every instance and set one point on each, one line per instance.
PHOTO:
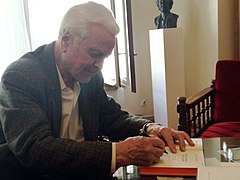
(170, 135)
(140, 151)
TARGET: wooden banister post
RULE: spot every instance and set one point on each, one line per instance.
(182, 116)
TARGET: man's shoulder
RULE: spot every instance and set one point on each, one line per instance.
(32, 69)
(27, 64)
(29, 59)
(33, 62)
(174, 15)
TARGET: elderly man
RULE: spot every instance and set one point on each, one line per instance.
(166, 19)
(53, 109)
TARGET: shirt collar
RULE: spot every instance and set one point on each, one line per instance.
(62, 84)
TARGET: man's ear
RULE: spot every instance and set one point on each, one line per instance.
(65, 41)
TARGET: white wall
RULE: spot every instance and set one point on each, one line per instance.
(208, 36)
(199, 21)
(227, 29)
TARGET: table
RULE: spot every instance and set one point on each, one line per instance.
(213, 149)
(214, 154)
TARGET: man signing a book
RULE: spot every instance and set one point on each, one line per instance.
(54, 110)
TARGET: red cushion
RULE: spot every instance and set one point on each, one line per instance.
(223, 129)
(227, 98)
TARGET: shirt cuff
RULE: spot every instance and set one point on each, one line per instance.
(113, 165)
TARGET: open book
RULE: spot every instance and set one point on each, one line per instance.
(179, 164)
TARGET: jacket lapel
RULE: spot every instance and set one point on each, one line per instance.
(54, 90)
(89, 110)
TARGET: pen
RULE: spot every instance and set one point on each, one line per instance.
(143, 133)
(165, 152)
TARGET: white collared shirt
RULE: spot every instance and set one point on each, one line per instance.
(72, 124)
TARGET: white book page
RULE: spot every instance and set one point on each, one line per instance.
(191, 158)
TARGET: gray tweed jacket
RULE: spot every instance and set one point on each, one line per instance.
(30, 114)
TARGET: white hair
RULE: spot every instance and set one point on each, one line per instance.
(79, 17)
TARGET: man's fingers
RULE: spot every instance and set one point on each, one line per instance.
(159, 143)
(188, 139)
(167, 136)
(182, 138)
(181, 141)
(170, 135)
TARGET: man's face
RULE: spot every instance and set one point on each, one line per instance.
(84, 58)
(164, 5)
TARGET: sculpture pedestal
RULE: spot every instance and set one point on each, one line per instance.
(167, 66)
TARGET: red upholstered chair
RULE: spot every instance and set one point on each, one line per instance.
(215, 111)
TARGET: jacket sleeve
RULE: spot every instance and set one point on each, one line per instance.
(116, 123)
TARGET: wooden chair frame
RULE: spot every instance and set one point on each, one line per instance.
(195, 113)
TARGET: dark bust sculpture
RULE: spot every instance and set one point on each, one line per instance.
(166, 19)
